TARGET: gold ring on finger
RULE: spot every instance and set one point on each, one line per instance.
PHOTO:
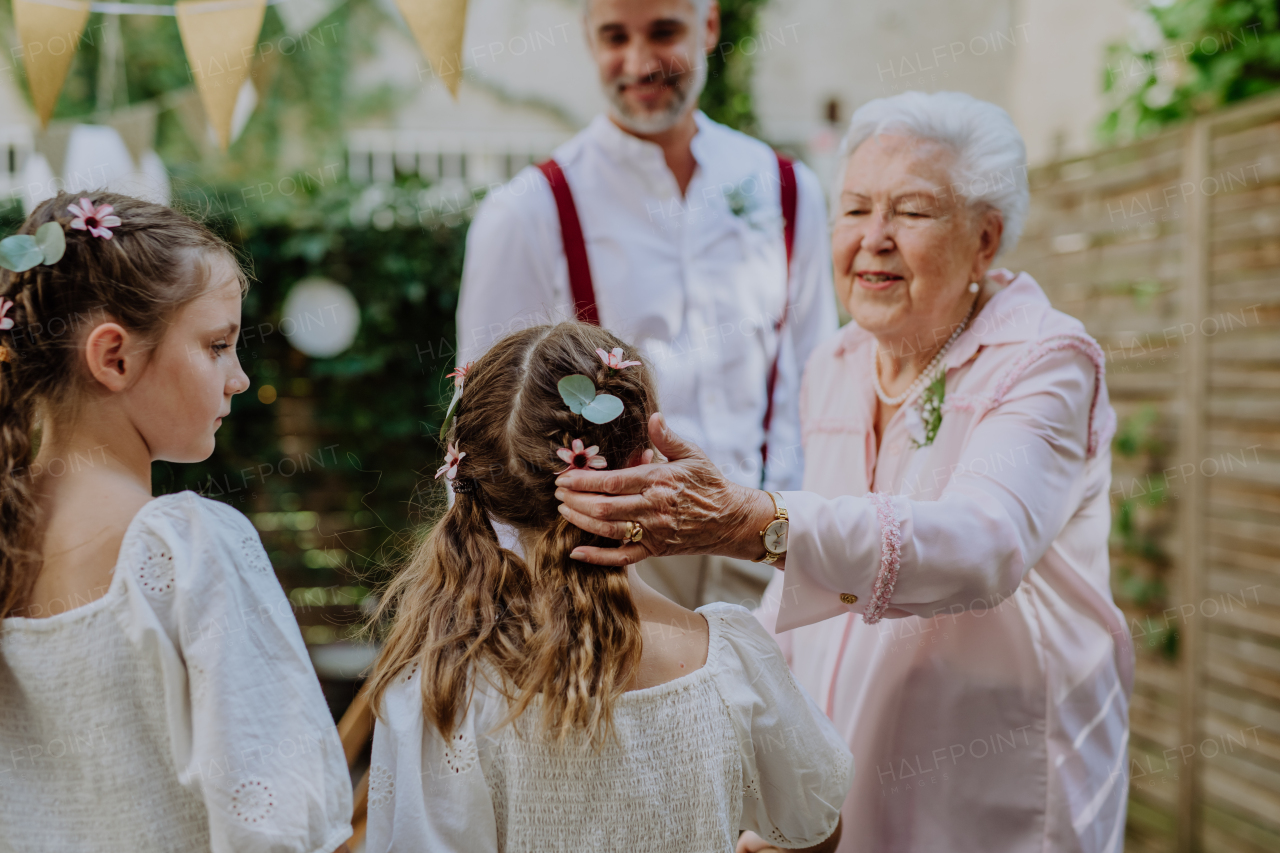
(634, 532)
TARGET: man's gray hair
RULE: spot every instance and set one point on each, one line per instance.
(699, 6)
(991, 158)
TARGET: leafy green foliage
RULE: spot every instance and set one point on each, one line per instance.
(369, 416)
(727, 96)
(1141, 516)
(353, 434)
(302, 79)
(1196, 55)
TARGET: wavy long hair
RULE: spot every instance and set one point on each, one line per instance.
(540, 626)
(155, 263)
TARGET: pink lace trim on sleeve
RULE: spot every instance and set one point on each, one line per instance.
(890, 558)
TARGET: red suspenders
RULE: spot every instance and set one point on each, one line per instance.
(787, 176)
(575, 247)
(584, 295)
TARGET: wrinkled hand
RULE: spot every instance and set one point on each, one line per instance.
(685, 505)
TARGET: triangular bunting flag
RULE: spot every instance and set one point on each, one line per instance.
(219, 37)
(438, 26)
(186, 103)
(49, 31)
(52, 143)
(137, 127)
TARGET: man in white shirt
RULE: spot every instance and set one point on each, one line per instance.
(686, 240)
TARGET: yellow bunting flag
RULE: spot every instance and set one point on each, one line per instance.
(137, 127)
(49, 31)
(220, 37)
(53, 142)
(438, 26)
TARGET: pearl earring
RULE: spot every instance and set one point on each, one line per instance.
(974, 287)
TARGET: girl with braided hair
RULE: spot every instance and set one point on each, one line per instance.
(155, 692)
(531, 702)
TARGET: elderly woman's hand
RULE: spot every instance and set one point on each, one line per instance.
(685, 506)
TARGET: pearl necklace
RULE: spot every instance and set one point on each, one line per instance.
(926, 376)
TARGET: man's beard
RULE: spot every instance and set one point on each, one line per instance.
(685, 88)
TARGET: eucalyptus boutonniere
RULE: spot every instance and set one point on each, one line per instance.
(746, 205)
(925, 417)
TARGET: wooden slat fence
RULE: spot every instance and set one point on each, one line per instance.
(1169, 251)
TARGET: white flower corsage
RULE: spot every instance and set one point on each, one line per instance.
(925, 417)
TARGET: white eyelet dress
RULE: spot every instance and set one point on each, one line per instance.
(734, 745)
(178, 712)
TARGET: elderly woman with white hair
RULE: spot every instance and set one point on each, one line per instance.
(945, 587)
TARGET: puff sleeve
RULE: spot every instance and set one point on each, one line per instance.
(426, 793)
(796, 769)
(251, 733)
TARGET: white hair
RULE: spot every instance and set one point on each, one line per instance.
(991, 158)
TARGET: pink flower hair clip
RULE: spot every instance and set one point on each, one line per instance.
(613, 360)
(450, 467)
(459, 376)
(580, 458)
(98, 221)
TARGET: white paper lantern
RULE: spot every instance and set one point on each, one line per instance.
(320, 317)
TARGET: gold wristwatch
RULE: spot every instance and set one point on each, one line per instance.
(774, 535)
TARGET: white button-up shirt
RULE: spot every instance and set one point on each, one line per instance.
(696, 282)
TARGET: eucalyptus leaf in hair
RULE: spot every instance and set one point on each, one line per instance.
(601, 410)
(52, 241)
(579, 394)
(448, 415)
(21, 252)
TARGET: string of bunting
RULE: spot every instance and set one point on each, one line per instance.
(217, 36)
(140, 8)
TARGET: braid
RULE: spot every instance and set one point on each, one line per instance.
(19, 515)
(154, 264)
(568, 633)
(466, 486)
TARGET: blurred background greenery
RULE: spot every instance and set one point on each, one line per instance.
(331, 457)
(1225, 51)
(341, 172)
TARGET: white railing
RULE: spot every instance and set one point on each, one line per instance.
(458, 158)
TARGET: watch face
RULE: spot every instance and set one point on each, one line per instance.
(775, 536)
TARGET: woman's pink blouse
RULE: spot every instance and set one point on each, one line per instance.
(989, 709)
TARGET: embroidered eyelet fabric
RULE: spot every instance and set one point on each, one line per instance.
(179, 711)
(734, 745)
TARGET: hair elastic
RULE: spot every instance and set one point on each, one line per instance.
(469, 486)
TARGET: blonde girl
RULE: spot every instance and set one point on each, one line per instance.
(530, 702)
(155, 693)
